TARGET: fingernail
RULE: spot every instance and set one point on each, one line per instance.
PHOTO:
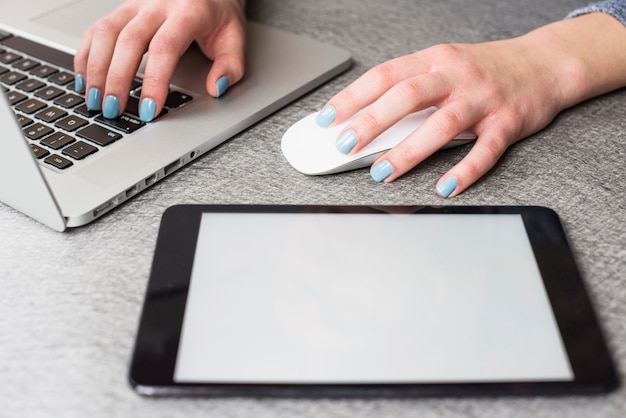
(79, 83)
(446, 187)
(346, 141)
(222, 85)
(147, 110)
(111, 107)
(381, 170)
(94, 99)
(326, 116)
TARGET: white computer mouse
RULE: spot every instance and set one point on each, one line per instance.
(311, 149)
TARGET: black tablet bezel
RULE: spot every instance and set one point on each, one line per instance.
(154, 357)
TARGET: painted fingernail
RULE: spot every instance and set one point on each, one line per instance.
(222, 85)
(111, 108)
(79, 83)
(147, 110)
(94, 99)
(326, 116)
(446, 187)
(380, 171)
(346, 141)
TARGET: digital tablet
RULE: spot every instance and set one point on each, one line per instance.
(341, 301)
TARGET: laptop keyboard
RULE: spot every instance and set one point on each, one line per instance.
(39, 84)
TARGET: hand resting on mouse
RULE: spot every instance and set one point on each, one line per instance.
(503, 91)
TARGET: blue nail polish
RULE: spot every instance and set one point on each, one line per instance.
(79, 83)
(381, 170)
(94, 99)
(111, 108)
(222, 85)
(147, 110)
(346, 141)
(326, 116)
(446, 187)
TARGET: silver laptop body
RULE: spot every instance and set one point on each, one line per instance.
(280, 67)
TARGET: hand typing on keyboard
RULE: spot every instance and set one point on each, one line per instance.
(112, 48)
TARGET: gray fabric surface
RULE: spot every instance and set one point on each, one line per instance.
(69, 302)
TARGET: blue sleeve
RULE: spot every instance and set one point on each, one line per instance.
(615, 8)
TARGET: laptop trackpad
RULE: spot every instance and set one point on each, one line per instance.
(74, 17)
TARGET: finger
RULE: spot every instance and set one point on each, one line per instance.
(487, 150)
(440, 128)
(104, 36)
(227, 50)
(405, 97)
(130, 47)
(369, 87)
(164, 51)
(80, 61)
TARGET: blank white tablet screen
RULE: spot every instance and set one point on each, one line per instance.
(367, 298)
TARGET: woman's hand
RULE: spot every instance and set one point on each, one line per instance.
(503, 91)
(112, 48)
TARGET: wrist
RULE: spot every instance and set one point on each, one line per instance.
(585, 56)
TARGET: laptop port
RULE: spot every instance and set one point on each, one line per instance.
(151, 180)
(132, 191)
(172, 167)
(104, 207)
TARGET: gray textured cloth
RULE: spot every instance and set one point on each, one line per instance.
(616, 8)
(70, 302)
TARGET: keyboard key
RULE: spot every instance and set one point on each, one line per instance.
(124, 123)
(176, 99)
(12, 77)
(44, 71)
(9, 57)
(25, 64)
(30, 106)
(61, 78)
(3, 69)
(71, 123)
(79, 150)
(83, 111)
(132, 108)
(98, 135)
(51, 114)
(29, 85)
(39, 151)
(49, 93)
(37, 131)
(69, 100)
(22, 120)
(15, 97)
(58, 161)
(58, 140)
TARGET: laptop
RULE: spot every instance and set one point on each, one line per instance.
(67, 176)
